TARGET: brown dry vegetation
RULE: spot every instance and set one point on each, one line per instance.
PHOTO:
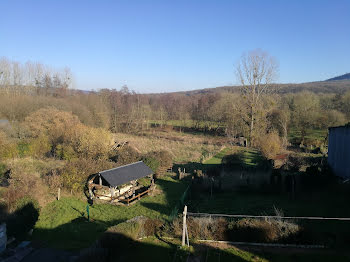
(184, 148)
(250, 230)
(28, 177)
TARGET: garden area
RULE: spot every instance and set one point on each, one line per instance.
(64, 223)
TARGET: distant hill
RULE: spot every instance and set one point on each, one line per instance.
(342, 77)
(340, 87)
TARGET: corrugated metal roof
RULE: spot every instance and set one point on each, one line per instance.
(124, 174)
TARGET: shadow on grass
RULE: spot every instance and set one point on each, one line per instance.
(113, 246)
(76, 234)
(119, 247)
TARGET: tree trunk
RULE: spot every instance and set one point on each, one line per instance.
(251, 127)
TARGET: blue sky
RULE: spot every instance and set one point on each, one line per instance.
(162, 46)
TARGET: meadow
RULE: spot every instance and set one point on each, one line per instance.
(183, 147)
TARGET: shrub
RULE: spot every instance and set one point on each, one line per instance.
(76, 172)
(22, 182)
(250, 230)
(256, 230)
(65, 132)
(203, 228)
(90, 142)
(126, 155)
(270, 145)
(8, 147)
(23, 149)
(152, 163)
(51, 122)
(65, 152)
(39, 147)
(3, 170)
(158, 161)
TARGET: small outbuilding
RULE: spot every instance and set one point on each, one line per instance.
(121, 184)
(339, 150)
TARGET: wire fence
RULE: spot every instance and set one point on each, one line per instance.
(272, 217)
(277, 230)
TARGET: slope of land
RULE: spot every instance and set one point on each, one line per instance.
(341, 77)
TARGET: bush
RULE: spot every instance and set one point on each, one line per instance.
(65, 152)
(63, 132)
(265, 231)
(39, 147)
(3, 170)
(250, 230)
(126, 155)
(270, 145)
(75, 173)
(152, 163)
(23, 149)
(158, 161)
(90, 142)
(8, 147)
(203, 228)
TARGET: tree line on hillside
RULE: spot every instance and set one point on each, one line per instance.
(52, 136)
(127, 111)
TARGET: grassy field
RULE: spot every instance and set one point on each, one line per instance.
(183, 147)
(63, 223)
(187, 123)
(216, 160)
(312, 134)
(247, 157)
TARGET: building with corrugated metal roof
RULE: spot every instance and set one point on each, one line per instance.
(120, 183)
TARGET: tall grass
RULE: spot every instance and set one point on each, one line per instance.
(188, 148)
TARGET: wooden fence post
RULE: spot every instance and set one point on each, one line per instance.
(59, 193)
(184, 226)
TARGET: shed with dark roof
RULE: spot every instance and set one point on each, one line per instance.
(124, 174)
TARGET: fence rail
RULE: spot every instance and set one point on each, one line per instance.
(278, 217)
(128, 200)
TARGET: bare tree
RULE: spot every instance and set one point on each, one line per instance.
(17, 73)
(5, 71)
(256, 71)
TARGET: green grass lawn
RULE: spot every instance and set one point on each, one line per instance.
(63, 223)
(314, 134)
(251, 157)
(248, 157)
(167, 250)
(216, 160)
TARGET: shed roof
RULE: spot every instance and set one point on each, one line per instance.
(124, 174)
